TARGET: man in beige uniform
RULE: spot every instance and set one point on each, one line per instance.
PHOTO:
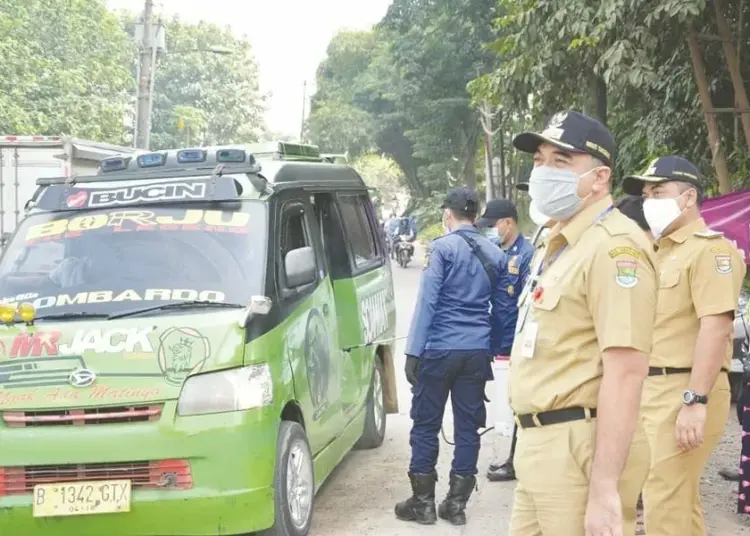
(686, 397)
(583, 335)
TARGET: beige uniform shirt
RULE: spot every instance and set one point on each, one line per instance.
(599, 293)
(700, 274)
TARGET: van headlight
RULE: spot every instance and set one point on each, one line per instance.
(226, 390)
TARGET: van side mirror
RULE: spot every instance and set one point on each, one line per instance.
(299, 267)
(4, 239)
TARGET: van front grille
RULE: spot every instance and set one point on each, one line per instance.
(161, 474)
(83, 416)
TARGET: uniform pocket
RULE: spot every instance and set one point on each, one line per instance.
(668, 297)
(547, 300)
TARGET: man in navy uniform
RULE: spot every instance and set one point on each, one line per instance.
(449, 352)
(499, 223)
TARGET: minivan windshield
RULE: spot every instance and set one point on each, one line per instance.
(107, 261)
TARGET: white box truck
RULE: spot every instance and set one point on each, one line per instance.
(24, 159)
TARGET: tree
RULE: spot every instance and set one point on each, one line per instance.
(409, 75)
(203, 98)
(382, 173)
(626, 62)
(64, 69)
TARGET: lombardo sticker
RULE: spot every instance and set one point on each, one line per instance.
(129, 295)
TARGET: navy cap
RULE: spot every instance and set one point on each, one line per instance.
(463, 201)
(573, 132)
(664, 169)
(632, 207)
(497, 209)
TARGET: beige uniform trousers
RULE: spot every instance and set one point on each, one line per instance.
(553, 464)
(671, 496)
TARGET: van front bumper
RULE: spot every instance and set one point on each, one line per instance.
(231, 458)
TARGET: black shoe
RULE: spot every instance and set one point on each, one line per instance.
(453, 507)
(732, 476)
(420, 507)
(501, 473)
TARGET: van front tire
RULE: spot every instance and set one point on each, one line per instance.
(293, 483)
(374, 432)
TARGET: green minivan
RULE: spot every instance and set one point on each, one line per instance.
(190, 342)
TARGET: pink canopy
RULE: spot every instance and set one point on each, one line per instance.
(730, 214)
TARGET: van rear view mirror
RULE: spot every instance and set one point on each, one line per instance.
(299, 267)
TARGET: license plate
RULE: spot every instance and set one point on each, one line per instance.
(82, 498)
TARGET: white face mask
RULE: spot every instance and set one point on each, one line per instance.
(660, 213)
(555, 191)
(536, 215)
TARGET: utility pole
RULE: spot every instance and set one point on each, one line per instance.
(304, 105)
(143, 119)
(486, 117)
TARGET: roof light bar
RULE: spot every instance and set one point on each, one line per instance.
(151, 160)
(191, 156)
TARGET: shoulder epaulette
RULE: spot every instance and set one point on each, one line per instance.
(708, 233)
(615, 223)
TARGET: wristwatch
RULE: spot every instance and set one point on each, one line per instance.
(691, 397)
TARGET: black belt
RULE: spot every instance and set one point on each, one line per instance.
(666, 371)
(556, 416)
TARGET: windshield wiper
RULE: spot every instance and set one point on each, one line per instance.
(70, 316)
(178, 305)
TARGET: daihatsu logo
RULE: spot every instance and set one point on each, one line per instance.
(81, 378)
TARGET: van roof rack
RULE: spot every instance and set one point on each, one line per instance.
(229, 156)
(282, 163)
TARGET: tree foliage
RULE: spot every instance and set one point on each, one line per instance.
(409, 77)
(204, 98)
(64, 69)
(628, 63)
(382, 173)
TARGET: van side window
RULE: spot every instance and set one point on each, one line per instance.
(293, 234)
(357, 228)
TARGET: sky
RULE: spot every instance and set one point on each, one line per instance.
(289, 39)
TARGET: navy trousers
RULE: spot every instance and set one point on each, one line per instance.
(462, 375)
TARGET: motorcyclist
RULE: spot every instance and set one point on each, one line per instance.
(406, 230)
(407, 227)
(391, 228)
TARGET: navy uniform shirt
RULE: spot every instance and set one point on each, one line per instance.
(453, 305)
(519, 264)
(519, 254)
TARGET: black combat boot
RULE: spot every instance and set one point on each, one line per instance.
(501, 472)
(420, 507)
(454, 505)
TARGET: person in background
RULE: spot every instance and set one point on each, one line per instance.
(686, 397)
(448, 353)
(499, 223)
(391, 228)
(632, 207)
(407, 226)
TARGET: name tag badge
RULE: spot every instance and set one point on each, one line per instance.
(528, 342)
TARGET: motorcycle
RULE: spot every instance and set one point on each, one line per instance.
(404, 250)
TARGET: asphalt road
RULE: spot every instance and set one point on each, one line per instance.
(359, 496)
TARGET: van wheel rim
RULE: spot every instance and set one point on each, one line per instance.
(299, 485)
(377, 398)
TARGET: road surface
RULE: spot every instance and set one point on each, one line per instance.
(359, 496)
